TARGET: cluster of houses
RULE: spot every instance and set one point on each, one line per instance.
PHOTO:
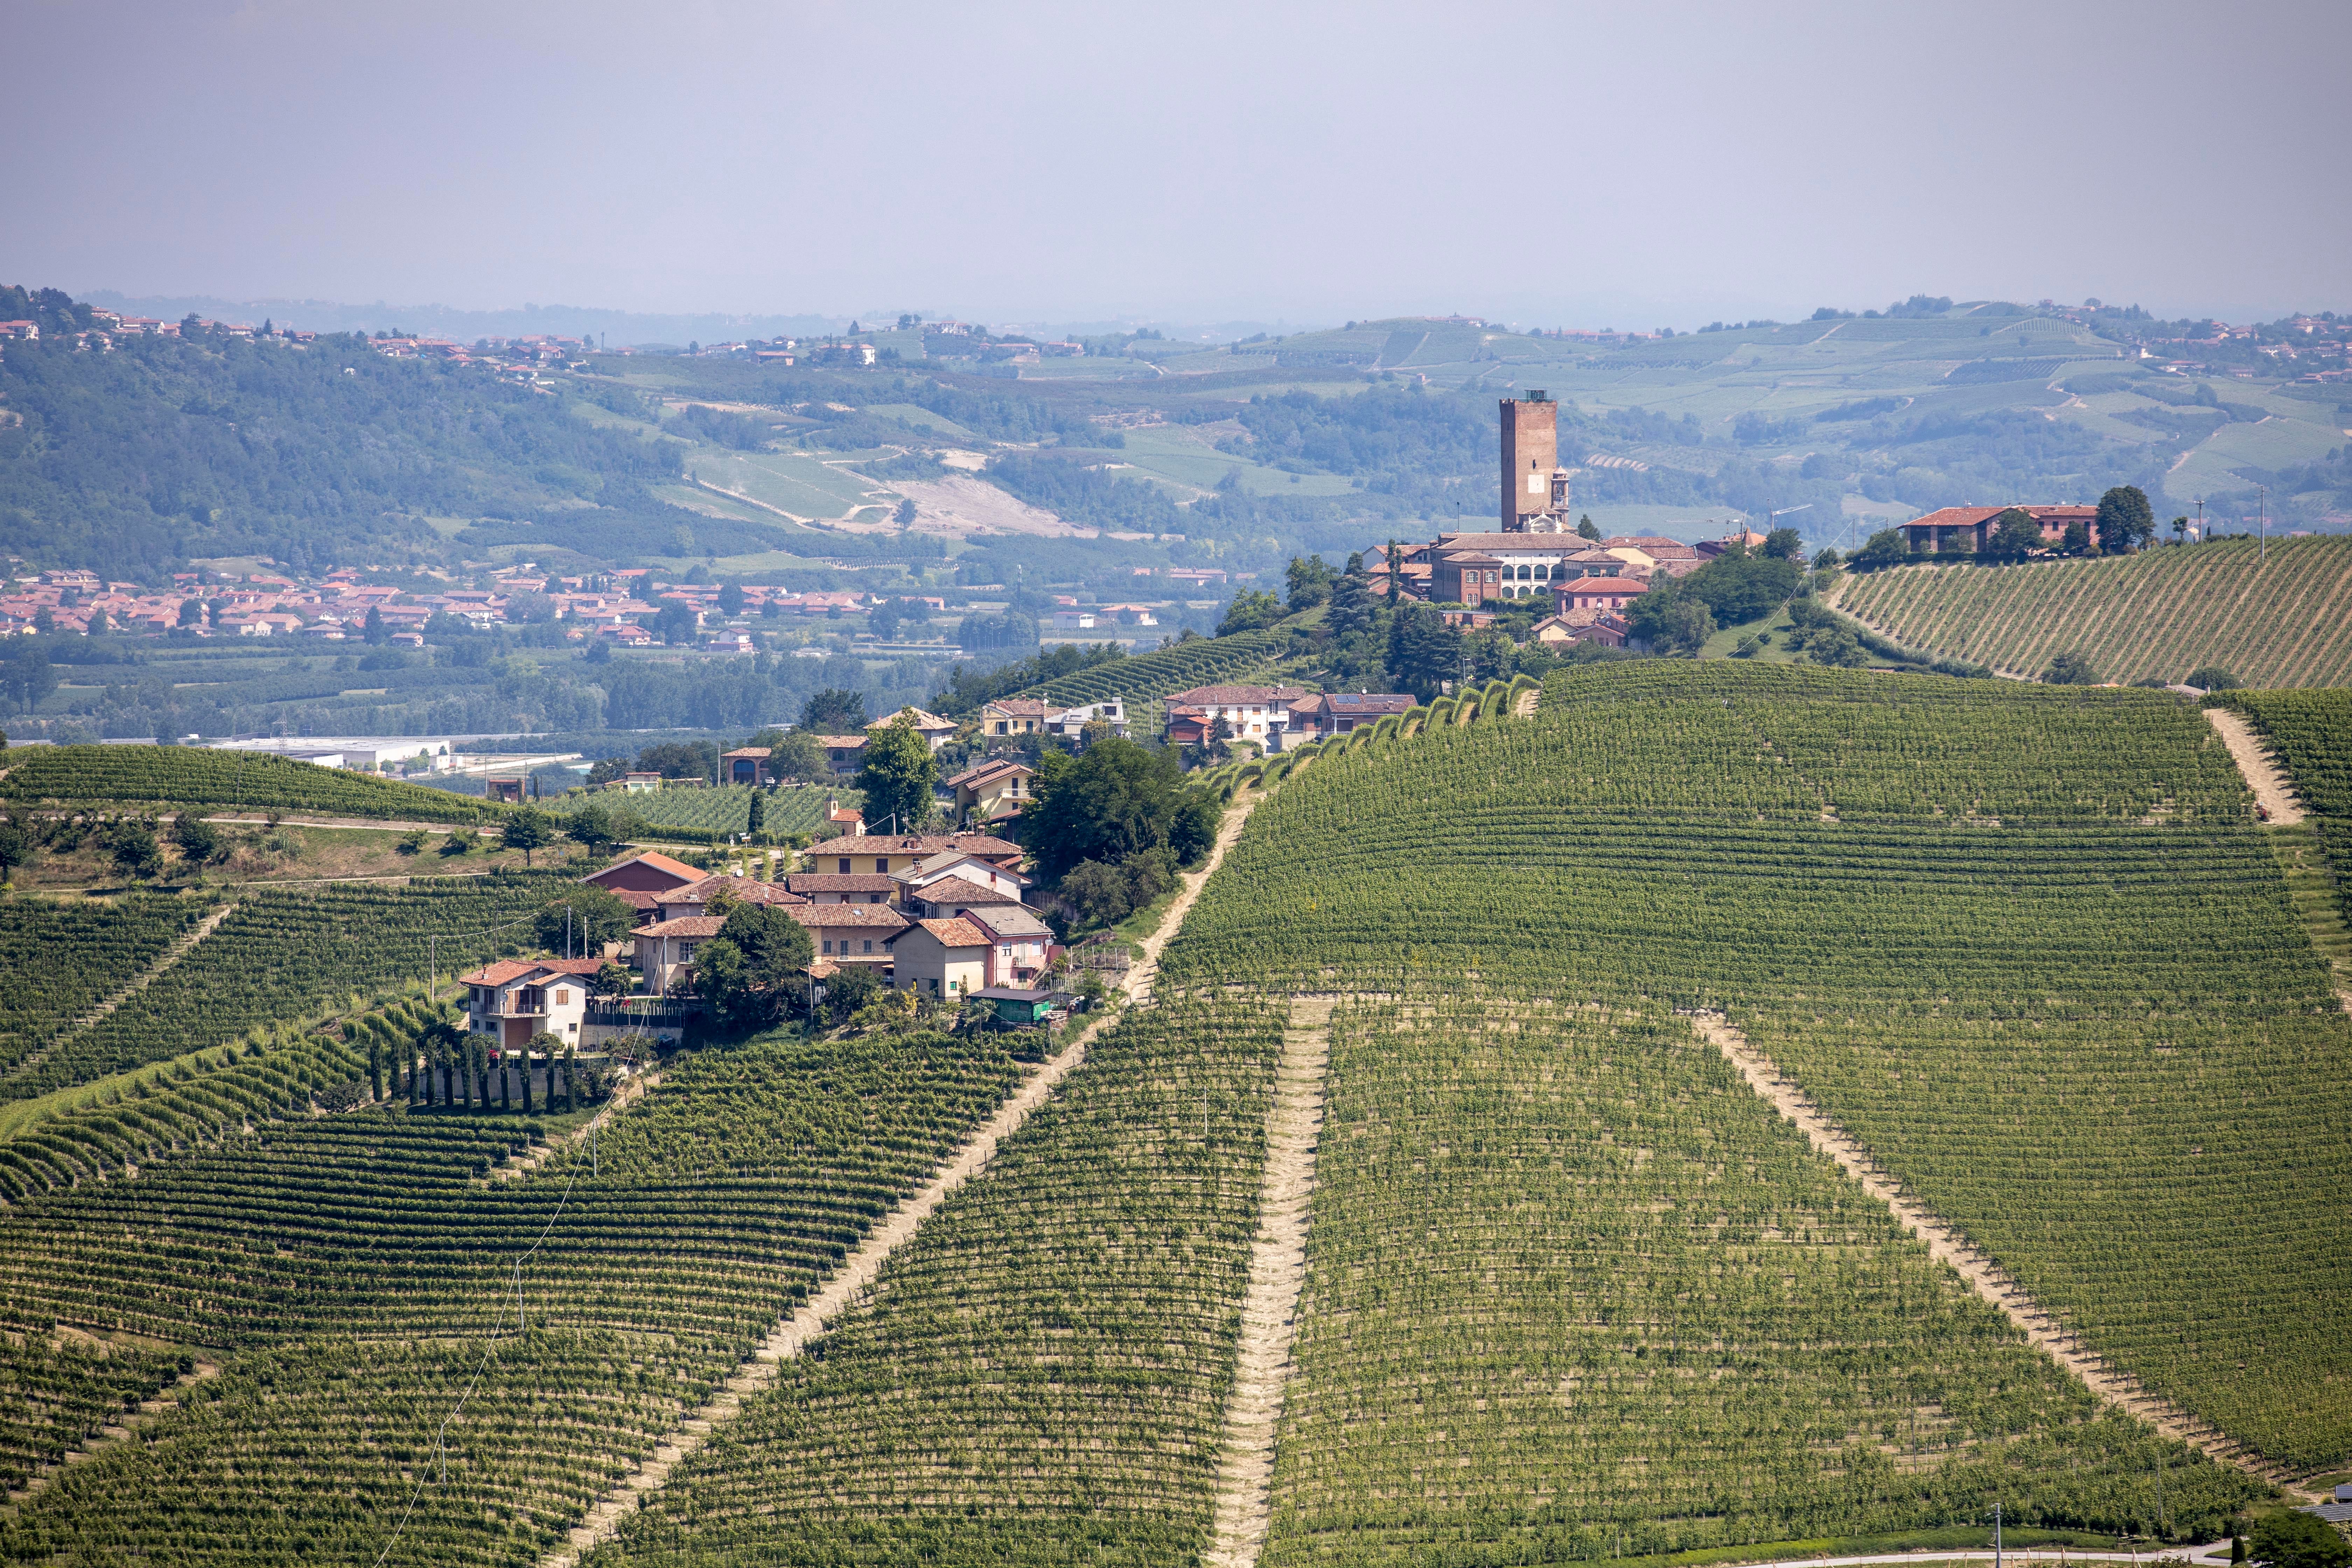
(1589, 582)
(940, 915)
(339, 608)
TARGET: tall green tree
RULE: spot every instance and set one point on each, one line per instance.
(751, 972)
(897, 776)
(1119, 799)
(2126, 519)
(2292, 1539)
(1424, 652)
(834, 712)
(2014, 532)
(527, 830)
(1308, 580)
(597, 916)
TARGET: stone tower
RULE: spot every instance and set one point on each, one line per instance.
(1531, 454)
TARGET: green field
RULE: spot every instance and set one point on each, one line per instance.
(802, 485)
(2274, 616)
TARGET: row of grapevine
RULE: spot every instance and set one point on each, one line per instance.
(2279, 618)
(354, 1276)
(207, 1096)
(286, 955)
(62, 960)
(1204, 661)
(206, 778)
(2027, 944)
(1040, 1375)
(2311, 731)
(712, 813)
(1704, 1337)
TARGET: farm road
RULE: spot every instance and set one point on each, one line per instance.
(861, 1268)
(1948, 1245)
(2260, 769)
(1277, 1271)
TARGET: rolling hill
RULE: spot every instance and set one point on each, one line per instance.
(1502, 1022)
(2274, 616)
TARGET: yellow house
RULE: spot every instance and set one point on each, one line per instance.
(993, 789)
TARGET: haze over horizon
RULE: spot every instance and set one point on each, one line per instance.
(1220, 164)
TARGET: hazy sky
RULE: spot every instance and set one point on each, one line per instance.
(1632, 165)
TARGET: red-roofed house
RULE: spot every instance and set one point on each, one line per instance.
(1260, 714)
(651, 872)
(1596, 594)
(851, 933)
(1971, 527)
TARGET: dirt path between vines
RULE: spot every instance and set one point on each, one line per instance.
(2257, 766)
(164, 960)
(858, 1271)
(1294, 1125)
(1947, 1245)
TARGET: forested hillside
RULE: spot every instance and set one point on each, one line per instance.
(313, 454)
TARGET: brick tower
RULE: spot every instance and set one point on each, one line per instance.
(1530, 453)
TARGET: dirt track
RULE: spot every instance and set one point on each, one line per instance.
(1947, 1245)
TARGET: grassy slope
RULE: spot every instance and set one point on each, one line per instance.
(2282, 621)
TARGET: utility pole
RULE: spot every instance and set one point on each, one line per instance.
(1996, 1535)
(2263, 553)
(431, 965)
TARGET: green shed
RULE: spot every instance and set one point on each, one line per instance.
(1018, 1006)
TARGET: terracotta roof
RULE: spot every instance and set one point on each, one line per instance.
(658, 862)
(988, 770)
(1367, 701)
(1016, 708)
(635, 898)
(685, 925)
(1544, 543)
(744, 752)
(957, 890)
(876, 916)
(923, 721)
(1599, 585)
(838, 742)
(1231, 696)
(1010, 921)
(750, 889)
(952, 933)
(980, 845)
(948, 857)
(841, 882)
(510, 969)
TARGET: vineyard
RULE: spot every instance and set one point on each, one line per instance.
(2026, 942)
(354, 1276)
(1709, 1339)
(710, 813)
(200, 777)
(2280, 620)
(1204, 661)
(1040, 1375)
(110, 945)
(287, 955)
(2311, 731)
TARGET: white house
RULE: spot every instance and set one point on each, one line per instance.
(973, 868)
(515, 999)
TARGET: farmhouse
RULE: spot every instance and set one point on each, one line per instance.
(651, 872)
(850, 933)
(885, 853)
(1013, 716)
(1971, 527)
(834, 888)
